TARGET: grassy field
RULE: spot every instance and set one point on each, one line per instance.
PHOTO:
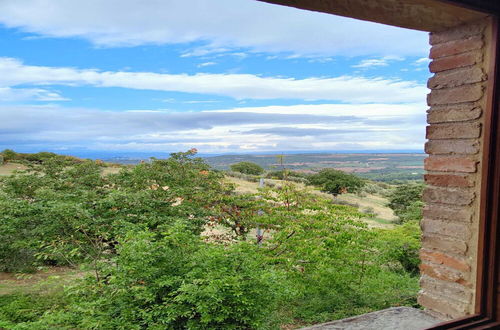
(45, 280)
(9, 168)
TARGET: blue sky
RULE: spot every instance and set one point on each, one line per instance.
(223, 76)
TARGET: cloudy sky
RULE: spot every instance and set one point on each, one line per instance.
(223, 76)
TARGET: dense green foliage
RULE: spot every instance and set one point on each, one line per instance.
(9, 154)
(144, 238)
(39, 157)
(336, 182)
(401, 247)
(58, 214)
(247, 168)
(406, 201)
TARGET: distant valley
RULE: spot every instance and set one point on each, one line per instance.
(375, 166)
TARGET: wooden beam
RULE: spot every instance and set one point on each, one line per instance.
(423, 15)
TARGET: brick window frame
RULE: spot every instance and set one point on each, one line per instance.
(461, 237)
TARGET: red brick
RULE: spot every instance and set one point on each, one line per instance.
(445, 289)
(458, 231)
(456, 46)
(446, 212)
(443, 306)
(467, 93)
(453, 131)
(456, 61)
(444, 259)
(444, 244)
(446, 180)
(454, 196)
(450, 164)
(458, 77)
(460, 32)
(448, 147)
(453, 113)
(444, 273)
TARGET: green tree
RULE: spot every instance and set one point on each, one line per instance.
(247, 168)
(336, 182)
(173, 281)
(58, 214)
(406, 201)
(9, 154)
(40, 157)
(399, 247)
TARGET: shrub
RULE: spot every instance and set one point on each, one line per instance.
(336, 182)
(400, 247)
(18, 309)
(246, 177)
(247, 168)
(340, 201)
(175, 281)
(9, 155)
(406, 201)
(282, 174)
(375, 188)
(369, 212)
(59, 214)
(39, 157)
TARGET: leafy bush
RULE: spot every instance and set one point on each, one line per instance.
(9, 155)
(339, 201)
(18, 309)
(336, 182)
(247, 168)
(246, 177)
(285, 173)
(401, 247)
(406, 201)
(369, 212)
(174, 281)
(375, 188)
(56, 214)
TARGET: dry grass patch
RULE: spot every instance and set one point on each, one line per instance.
(384, 216)
(9, 168)
(43, 281)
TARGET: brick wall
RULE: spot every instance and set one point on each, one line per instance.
(451, 214)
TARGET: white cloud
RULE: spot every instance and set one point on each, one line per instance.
(423, 60)
(347, 89)
(202, 65)
(271, 128)
(384, 61)
(368, 111)
(222, 25)
(370, 63)
(8, 94)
